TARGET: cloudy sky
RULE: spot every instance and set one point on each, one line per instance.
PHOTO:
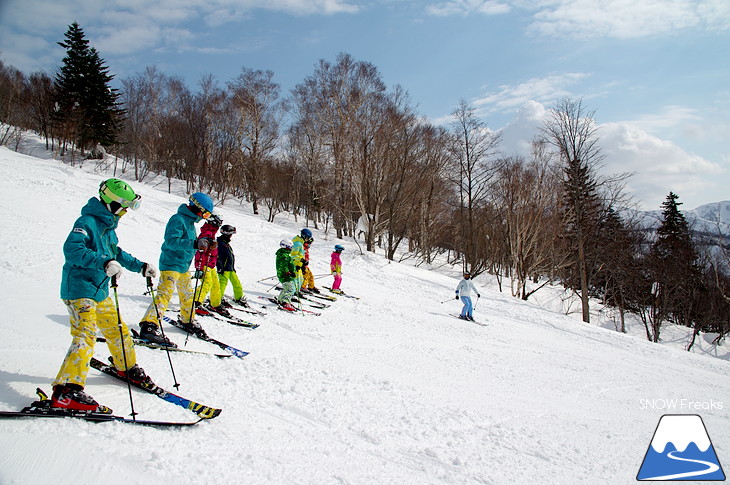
(656, 72)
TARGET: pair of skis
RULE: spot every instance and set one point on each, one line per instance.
(43, 409)
(341, 293)
(228, 348)
(281, 307)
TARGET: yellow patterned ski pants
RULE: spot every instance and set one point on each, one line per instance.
(308, 278)
(169, 280)
(210, 284)
(224, 278)
(86, 315)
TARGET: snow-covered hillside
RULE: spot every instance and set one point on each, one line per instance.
(386, 389)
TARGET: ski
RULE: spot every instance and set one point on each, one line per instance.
(320, 296)
(43, 409)
(203, 411)
(233, 305)
(278, 305)
(240, 322)
(341, 293)
(237, 352)
(470, 321)
(309, 302)
(138, 341)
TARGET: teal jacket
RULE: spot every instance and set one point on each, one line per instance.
(285, 269)
(91, 243)
(178, 248)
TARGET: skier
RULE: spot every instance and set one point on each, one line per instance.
(92, 258)
(307, 276)
(286, 272)
(297, 254)
(226, 266)
(336, 268)
(464, 290)
(205, 264)
(178, 249)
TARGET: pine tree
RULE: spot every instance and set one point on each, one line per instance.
(86, 107)
(674, 268)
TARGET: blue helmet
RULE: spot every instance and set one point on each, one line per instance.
(339, 248)
(202, 204)
(307, 234)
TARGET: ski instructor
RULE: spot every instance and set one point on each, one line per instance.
(92, 259)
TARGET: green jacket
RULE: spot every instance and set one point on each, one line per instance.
(285, 269)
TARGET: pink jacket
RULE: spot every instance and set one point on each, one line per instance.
(336, 263)
(210, 256)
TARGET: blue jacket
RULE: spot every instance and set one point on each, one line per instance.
(91, 243)
(178, 248)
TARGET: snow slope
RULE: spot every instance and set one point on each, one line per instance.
(385, 389)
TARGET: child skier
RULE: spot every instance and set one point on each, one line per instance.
(178, 249)
(205, 264)
(286, 272)
(307, 276)
(226, 266)
(464, 290)
(297, 254)
(336, 268)
(92, 259)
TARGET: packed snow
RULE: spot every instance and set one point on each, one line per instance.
(387, 389)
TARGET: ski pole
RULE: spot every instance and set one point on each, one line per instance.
(192, 303)
(159, 320)
(124, 351)
(264, 279)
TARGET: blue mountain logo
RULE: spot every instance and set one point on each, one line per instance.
(681, 450)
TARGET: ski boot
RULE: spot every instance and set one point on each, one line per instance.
(73, 398)
(137, 376)
(221, 311)
(194, 328)
(149, 332)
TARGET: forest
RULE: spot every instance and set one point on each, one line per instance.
(344, 152)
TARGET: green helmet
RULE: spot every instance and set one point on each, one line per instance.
(118, 195)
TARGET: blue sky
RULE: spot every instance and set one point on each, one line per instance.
(656, 72)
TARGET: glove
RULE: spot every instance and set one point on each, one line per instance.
(456, 297)
(305, 264)
(198, 274)
(112, 268)
(202, 244)
(478, 295)
(149, 271)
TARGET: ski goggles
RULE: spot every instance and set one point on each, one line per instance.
(125, 203)
(204, 213)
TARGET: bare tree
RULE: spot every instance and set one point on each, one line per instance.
(258, 116)
(473, 150)
(573, 132)
(526, 197)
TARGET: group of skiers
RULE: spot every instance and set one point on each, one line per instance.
(94, 260)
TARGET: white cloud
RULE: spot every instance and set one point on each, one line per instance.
(658, 165)
(545, 90)
(466, 7)
(623, 19)
(127, 26)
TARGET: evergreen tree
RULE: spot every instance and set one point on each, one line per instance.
(674, 268)
(86, 107)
